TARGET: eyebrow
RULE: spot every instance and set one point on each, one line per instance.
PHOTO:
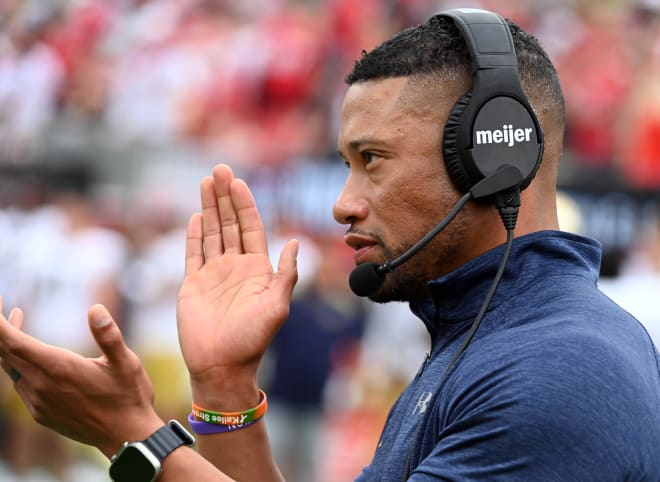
(355, 144)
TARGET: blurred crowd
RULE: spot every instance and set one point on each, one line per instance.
(112, 110)
(257, 82)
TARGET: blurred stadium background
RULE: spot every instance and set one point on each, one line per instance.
(111, 111)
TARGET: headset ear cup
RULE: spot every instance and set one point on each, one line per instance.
(453, 162)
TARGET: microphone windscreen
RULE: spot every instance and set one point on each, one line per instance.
(365, 279)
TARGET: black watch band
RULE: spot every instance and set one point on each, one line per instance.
(168, 438)
(143, 461)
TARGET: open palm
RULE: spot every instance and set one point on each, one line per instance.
(231, 302)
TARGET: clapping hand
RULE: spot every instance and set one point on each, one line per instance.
(98, 401)
(231, 302)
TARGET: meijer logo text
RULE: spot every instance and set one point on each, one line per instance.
(507, 135)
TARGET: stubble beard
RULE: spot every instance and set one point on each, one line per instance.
(409, 282)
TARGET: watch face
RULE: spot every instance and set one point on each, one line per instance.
(135, 463)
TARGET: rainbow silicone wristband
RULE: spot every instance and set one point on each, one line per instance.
(203, 428)
(231, 418)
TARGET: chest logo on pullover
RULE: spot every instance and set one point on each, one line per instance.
(507, 135)
(422, 403)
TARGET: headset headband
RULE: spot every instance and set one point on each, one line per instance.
(487, 37)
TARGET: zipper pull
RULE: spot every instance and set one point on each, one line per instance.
(427, 357)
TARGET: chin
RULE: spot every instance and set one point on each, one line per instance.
(398, 287)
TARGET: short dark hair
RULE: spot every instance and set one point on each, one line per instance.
(437, 47)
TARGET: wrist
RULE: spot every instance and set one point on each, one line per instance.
(204, 421)
(225, 390)
(134, 431)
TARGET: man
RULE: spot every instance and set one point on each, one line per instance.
(558, 383)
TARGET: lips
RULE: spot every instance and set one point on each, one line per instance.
(362, 245)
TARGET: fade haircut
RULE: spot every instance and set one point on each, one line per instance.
(437, 50)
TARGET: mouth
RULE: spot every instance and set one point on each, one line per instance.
(361, 246)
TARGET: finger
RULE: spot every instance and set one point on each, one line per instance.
(287, 272)
(211, 220)
(16, 318)
(253, 235)
(231, 236)
(21, 351)
(194, 244)
(107, 335)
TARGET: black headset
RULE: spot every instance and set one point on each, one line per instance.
(493, 125)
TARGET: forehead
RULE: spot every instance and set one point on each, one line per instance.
(386, 108)
(372, 95)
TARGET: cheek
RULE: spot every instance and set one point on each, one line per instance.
(423, 193)
(409, 210)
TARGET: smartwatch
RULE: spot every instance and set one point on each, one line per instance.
(143, 461)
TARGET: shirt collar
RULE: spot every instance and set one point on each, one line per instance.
(457, 296)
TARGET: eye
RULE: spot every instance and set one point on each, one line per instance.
(368, 156)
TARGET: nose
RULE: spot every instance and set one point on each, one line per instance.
(350, 206)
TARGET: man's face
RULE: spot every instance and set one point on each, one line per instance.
(397, 188)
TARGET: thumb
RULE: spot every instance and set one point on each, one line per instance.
(287, 270)
(107, 334)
